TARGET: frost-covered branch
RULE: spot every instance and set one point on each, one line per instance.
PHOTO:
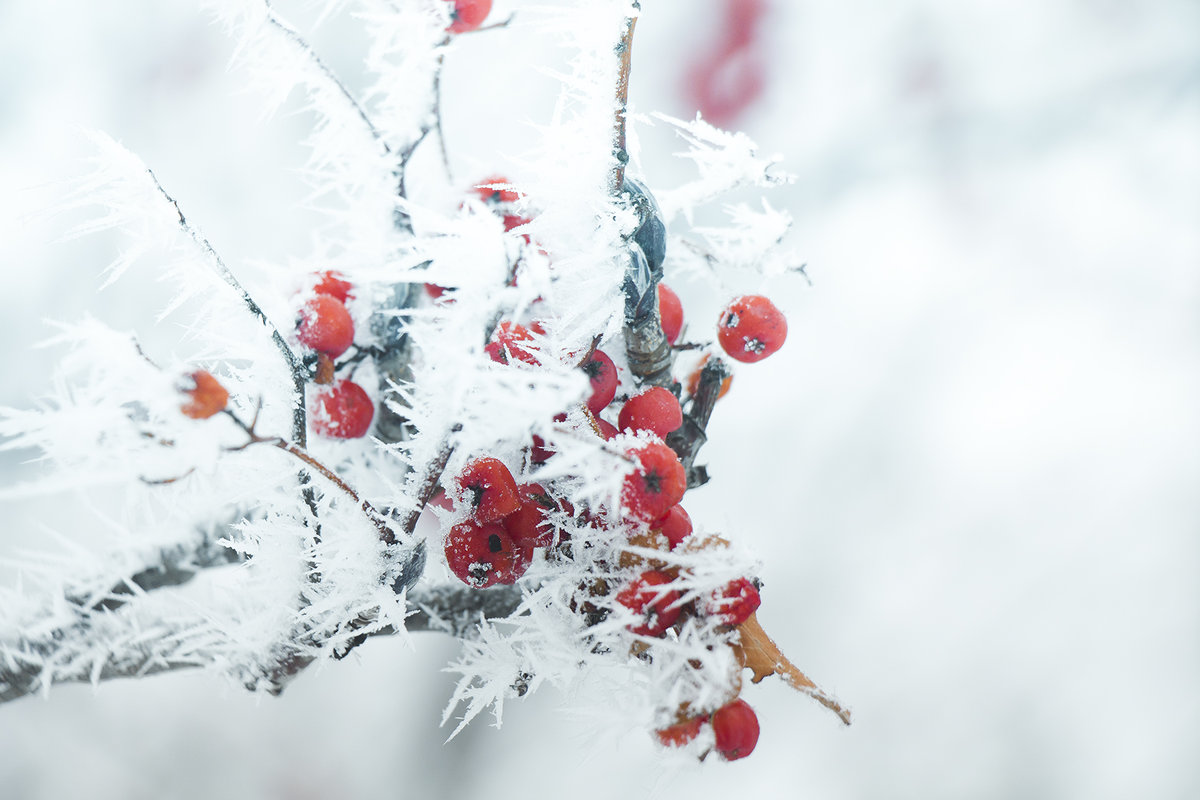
(298, 371)
(296, 40)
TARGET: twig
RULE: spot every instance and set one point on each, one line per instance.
(173, 566)
(299, 373)
(620, 154)
(689, 437)
(304, 47)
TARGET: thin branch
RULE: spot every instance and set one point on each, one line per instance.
(299, 372)
(304, 47)
(625, 53)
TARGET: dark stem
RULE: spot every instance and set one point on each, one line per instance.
(687, 440)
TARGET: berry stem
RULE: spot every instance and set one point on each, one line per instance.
(687, 440)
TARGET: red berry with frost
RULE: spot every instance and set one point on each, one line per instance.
(671, 312)
(681, 733)
(607, 429)
(334, 285)
(751, 328)
(529, 525)
(325, 325)
(649, 598)
(482, 554)
(655, 410)
(735, 602)
(343, 411)
(602, 373)
(736, 729)
(512, 342)
(514, 221)
(205, 395)
(676, 525)
(488, 488)
(657, 483)
(467, 15)
(491, 190)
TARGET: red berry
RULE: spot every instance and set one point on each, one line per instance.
(655, 410)
(512, 341)
(671, 312)
(483, 554)
(344, 411)
(602, 373)
(489, 191)
(676, 525)
(334, 285)
(735, 602)
(437, 292)
(657, 484)
(489, 488)
(206, 396)
(736, 729)
(751, 328)
(607, 429)
(657, 606)
(528, 525)
(515, 221)
(325, 325)
(680, 734)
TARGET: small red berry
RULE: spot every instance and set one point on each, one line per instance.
(602, 373)
(736, 729)
(205, 396)
(489, 191)
(607, 429)
(343, 411)
(528, 525)
(325, 325)
(655, 410)
(751, 328)
(735, 602)
(332, 283)
(676, 525)
(483, 554)
(671, 312)
(515, 221)
(681, 733)
(512, 341)
(657, 484)
(489, 488)
(657, 606)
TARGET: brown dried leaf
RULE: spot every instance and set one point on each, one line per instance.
(758, 653)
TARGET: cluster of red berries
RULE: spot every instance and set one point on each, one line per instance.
(343, 409)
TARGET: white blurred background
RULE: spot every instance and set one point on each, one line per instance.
(971, 474)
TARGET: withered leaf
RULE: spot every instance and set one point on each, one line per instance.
(758, 653)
